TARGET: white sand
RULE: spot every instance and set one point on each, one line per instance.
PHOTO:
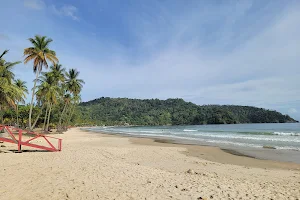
(100, 167)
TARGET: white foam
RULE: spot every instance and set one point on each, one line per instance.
(246, 137)
(286, 133)
(189, 130)
(280, 140)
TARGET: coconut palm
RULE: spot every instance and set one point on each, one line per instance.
(51, 91)
(9, 92)
(66, 101)
(8, 95)
(58, 73)
(21, 85)
(6, 68)
(40, 54)
(75, 101)
(43, 102)
(73, 83)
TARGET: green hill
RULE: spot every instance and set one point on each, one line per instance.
(120, 111)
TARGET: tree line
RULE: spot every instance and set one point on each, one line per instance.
(123, 111)
(54, 96)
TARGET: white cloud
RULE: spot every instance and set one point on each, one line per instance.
(34, 4)
(67, 10)
(262, 69)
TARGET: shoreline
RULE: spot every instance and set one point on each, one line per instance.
(276, 155)
(211, 153)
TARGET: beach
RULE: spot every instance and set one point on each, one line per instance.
(100, 166)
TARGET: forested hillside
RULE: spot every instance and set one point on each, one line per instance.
(120, 111)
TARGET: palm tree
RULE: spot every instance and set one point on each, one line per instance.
(75, 101)
(58, 73)
(66, 100)
(40, 54)
(74, 85)
(6, 68)
(51, 91)
(9, 92)
(73, 82)
(8, 95)
(42, 101)
(22, 87)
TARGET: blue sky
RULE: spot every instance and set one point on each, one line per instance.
(207, 52)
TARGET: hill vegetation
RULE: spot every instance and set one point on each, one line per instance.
(123, 111)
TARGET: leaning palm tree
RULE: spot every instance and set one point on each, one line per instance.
(66, 101)
(21, 85)
(40, 54)
(75, 101)
(57, 74)
(50, 90)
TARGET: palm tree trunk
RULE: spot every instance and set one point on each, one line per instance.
(49, 117)
(32, 98)
(18, 114)
(71, 114)
(37, 118)
(45, 118)
(62, 114)
(1, 113)
(59, 128)
(68, 112)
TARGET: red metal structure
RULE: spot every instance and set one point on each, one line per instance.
(19, 142)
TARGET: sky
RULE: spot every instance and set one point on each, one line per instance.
(243, 52)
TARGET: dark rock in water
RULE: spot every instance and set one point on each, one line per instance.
(268, 147)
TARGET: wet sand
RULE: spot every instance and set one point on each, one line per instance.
(216, 154)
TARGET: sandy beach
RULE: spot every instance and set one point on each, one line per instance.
(98, 166)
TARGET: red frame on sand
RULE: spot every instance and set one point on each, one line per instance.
(19, 141)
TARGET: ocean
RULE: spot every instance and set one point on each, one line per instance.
(250, 137)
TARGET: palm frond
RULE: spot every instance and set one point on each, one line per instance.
(4, 52)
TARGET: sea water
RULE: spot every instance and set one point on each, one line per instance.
(279, 136)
